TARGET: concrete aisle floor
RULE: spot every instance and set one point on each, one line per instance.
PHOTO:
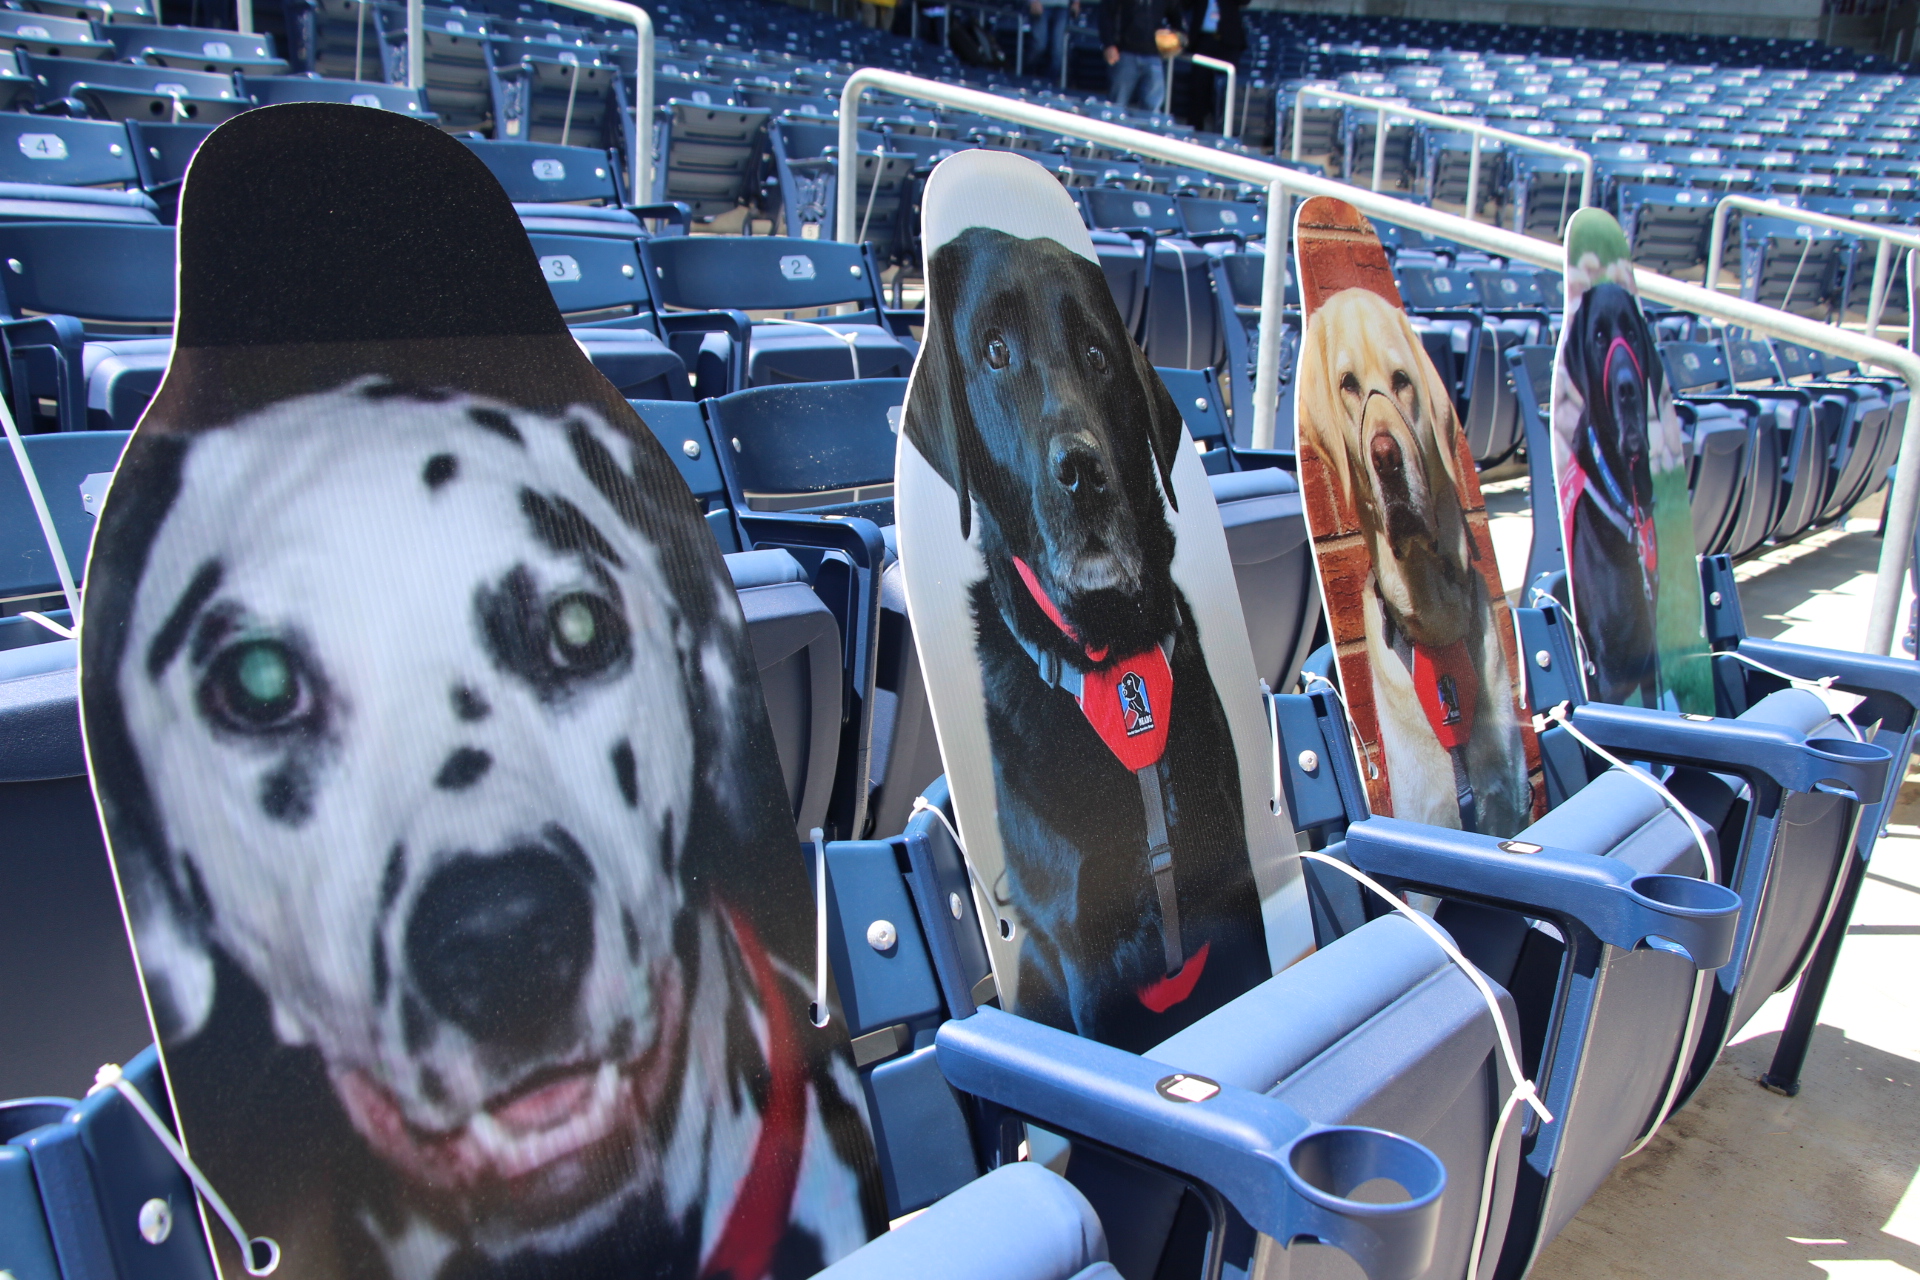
(1743, 1182)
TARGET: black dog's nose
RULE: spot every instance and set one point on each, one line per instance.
(1078, 467)
(498, 944)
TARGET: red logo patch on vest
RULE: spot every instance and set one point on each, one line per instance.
(1128, 703)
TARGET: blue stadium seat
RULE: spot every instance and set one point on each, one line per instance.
(54, 168)
(100, 373)
(211, 50)
(707, 154)
(122, 91)
(51, 36)
(1724, 435)
(802, 278)
(269, 90)
(598, 285)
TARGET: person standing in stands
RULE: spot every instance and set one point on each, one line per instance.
(877, 14)
(1218, 32)
(1130, 31)
(1049, 36)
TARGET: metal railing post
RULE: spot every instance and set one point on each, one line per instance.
(1273, 298)
(1493, 239)
(1233, 79)
(1473, 176)
(243, 17)
(416, 45)
(1877, 296)
(1379, 147)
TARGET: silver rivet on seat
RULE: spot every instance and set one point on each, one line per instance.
(954, 905)
(1309, 761)
(156, 1221)
(855, 269)
(691, 448)
(1542, 659)
(13, 265)
(626, 269)
(881, 935)
(1714, 599)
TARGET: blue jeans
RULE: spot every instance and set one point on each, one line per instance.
(1047, 42)
(1137, 75)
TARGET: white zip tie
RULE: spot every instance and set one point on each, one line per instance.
(1559, 715)
(1523, 1088)
(51, 534)
(110, 1077)
(922, 804)
(819, 1014)
(873, 192)
(1358, 743)
(1274, 805)
(1824, 683)
(65, 633)
(852, 340)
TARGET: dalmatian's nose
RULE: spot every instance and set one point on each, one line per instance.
(498, 944)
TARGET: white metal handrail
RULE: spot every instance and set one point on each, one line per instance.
(1888, 236)
(1284, 184)
(1212, 64)
(1455, 124)
(614, 10)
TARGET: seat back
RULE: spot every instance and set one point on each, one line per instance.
(592, 276)
(811, 446)
(65, 152)
(269, 90)
(1202, 216)
(110, 272)
(205, 49)
(708, 152)
(760, 273)
(73, 468)
(163, 152)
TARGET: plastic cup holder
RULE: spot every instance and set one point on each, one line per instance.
(26, 1114)
(1849, 750)
(1685, 894)
(1360, 1172)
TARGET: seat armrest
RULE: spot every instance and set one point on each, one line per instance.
(1738, 746)
(1863, 673)
(1605, 896)
(1282, 1173)
(677, 212)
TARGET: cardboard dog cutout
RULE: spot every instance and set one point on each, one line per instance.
(434, 765)
(1620, 466)
(1085, 655)
(1428, 661)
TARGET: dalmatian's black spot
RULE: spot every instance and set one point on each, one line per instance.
(565, 528)
(667, 845)
(286, 793)
(440, 468)
(173, 632)
(553, 644)
(416, 1029)
(469, 705)
(620, 1042)
(631, 932)
(432, 1087)
(624, 773)
(380, 391)
(497, 422)
(382, 977)
(462, 769)
(393, 878)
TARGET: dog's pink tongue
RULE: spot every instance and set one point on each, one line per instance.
(548, 1106)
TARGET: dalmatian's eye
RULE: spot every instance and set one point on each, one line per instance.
(998, 353)
(257, 687)
(587, 635)
(1097, 358)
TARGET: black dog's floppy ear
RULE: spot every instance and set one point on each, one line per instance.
(937, 417)
(1164, 423)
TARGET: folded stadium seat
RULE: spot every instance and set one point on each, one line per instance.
(569, 190)
(460, 85)
(1785, 436)
(267, 90)
(56, 169)
(1667, 226)
(195, 49)
(1357, 143)
(802, 189)
(53, 37)
(1543, 192)
(1722, 431)
(1180, 328)
(706, 154)
(161, 153)
(1861, 461)
(1444, 160)
(91, 307)
(1846, 410)
(1238, 285)
(560, 95)
(1444, 305)
(1793, 266)
(598, 284)
(783, 274)
(122, 91)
